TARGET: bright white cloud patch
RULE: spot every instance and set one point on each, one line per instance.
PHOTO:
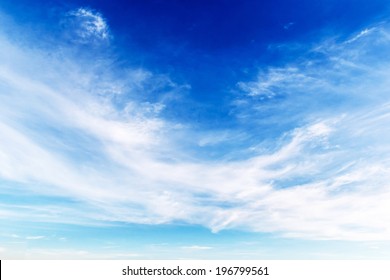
(63, 136)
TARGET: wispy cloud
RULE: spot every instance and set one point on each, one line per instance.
(288, 25)
(325, 176)
(35, 237)
(86, 26)
(275, 81)
(343, 89)
(196, 247)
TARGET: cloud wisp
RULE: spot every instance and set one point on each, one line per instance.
(86, 26)
(325, 177)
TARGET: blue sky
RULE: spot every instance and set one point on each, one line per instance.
(194, 129)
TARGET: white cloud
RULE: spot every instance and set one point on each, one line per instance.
(86, 26)
(37, 237)
(63, 136)
(343, 191)
(196, 247)
(361, 34)
(270, 84)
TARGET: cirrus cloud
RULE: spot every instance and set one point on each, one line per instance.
(324, 177)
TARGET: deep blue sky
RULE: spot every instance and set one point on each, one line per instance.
(210, 44)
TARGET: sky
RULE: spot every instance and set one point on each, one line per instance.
(194, 129)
